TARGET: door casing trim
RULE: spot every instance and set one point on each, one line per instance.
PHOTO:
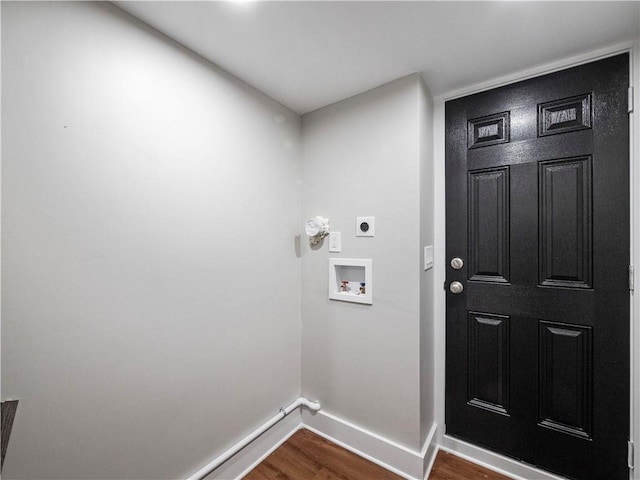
(476, 453)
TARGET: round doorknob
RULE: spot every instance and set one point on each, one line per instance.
(456, 287)
(457, 263)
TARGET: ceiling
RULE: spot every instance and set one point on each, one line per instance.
(308, 54)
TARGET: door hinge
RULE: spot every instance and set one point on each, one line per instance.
(631, 277)
(630, 459)
(630, 106)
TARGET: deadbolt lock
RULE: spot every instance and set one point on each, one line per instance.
(457, 263)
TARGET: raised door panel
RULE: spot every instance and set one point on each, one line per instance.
(566, 378)
(488, 382)
(565, 227)
(489, 225)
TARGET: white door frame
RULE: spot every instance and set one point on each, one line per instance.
(477, 454)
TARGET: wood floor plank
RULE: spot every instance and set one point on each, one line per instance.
(8, 408)
(451, 467)
(307, 456)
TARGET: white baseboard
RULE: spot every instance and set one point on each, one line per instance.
(253, 454)
(388, 454)
(396, 458)
(494, 461)
(429, 451)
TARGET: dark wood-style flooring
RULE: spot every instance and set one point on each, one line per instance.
(451, 467)
(307, 456)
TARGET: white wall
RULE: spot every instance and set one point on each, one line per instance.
(362, 157)
(151, 286)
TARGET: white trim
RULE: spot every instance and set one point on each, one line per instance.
(382, 451)
(386, 453)
(252, 436)
(635, 253)
(264, 456)
(243, 462)
(440, 237)
(360, 454)
(439, 267)
(429, 451)
(429, 444)
(540, 70)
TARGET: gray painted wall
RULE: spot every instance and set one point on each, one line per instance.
(152, 283)
(361, 157)
(151, 286)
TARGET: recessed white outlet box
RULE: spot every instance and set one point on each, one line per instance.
(351, 280)
(365, 226)
(335, 242)
(428, 257)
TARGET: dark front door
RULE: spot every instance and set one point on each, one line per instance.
(538, 221)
